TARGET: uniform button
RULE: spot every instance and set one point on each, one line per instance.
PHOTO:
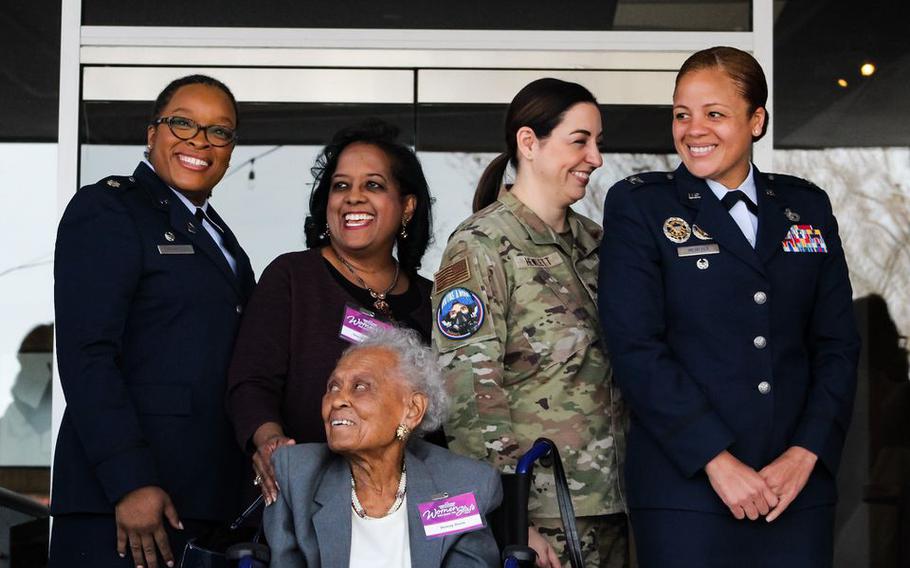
(760, 297)
(764, 387)
(759, 342)
(238, 309)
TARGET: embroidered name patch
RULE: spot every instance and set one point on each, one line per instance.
(553, 259)
(804, 238)
(460, 314)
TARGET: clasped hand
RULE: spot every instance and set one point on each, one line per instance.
(140, 518)
(768, 492)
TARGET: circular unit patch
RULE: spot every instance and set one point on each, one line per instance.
(460, 314)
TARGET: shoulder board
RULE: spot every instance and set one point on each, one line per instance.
(783, 179)
(119, 183)
(647, 178)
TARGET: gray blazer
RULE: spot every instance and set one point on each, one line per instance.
(310, 523)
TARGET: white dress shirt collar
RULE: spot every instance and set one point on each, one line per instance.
(747, 187)
(744, 219)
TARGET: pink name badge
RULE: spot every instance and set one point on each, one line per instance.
(358, 322)
(453, 515)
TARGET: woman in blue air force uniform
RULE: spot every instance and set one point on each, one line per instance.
(726, 304)
(149, 287)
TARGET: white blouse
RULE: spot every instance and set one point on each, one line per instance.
(383, 542)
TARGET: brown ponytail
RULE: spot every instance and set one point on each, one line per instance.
(540, 106)
(488, 187)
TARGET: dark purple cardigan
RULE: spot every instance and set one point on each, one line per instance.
(288, 344)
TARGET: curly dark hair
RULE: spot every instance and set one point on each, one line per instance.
(406, 170)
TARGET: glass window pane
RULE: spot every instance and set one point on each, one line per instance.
(479, 128)
(26, 289)
(30, 71)
(585, 15)
(260, 123)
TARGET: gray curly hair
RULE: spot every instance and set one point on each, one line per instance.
(418, 367)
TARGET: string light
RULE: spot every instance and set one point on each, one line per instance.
(867, 69)
(842, 83)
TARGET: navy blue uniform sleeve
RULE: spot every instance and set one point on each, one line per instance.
(97, 268)
(663, 398)
(834, 345)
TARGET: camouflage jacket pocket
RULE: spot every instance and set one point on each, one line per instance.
(553, 319)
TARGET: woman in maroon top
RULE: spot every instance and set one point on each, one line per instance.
(370, 194)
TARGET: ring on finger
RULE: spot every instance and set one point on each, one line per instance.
(258, 480)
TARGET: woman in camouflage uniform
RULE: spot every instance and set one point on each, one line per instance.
(516, 323)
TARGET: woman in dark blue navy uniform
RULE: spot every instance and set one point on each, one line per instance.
(149, 287)
(726, 304)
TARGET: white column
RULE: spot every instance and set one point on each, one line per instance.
(67, 150)
(763, 49)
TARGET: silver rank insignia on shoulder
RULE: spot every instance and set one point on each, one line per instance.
(635, 180)
(792, 215)
(113, 183)
(191, 227)
(702, 263)
(169, 236)
(700, 233)
(677, 230)
(770, 193)
(694, 196)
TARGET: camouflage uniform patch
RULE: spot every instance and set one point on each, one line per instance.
(460, 314)
(535, 366)
(450, 275)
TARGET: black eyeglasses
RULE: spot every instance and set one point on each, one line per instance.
(187, 128)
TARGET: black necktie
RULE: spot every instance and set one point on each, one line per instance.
(732, 197)
(201, 216)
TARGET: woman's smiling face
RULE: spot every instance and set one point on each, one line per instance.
(364, 402)
(713, 126)
(366, 208)
(192, 166)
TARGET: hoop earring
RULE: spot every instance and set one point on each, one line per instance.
(402, 432)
